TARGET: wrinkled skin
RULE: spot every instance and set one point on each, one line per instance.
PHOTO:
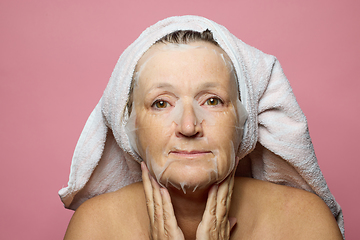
(186, 151)
(181, 147)
(215, 224)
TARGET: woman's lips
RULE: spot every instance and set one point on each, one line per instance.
(189, 154)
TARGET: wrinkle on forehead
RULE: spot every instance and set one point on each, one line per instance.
(159, 47)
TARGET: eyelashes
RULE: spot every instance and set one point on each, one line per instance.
(163, 104)
(214, 101)
(160, 104)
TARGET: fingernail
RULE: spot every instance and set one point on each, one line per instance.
(142, 165)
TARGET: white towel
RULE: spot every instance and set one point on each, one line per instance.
(276, 142)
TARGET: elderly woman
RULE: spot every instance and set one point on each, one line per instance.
(207, 117)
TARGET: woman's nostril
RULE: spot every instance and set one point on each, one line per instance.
(189, 129)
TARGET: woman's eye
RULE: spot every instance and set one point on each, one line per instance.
(213, 101)
(160, 104)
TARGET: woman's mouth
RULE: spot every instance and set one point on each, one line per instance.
(188, 154)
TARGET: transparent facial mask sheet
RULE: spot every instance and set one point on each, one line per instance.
(189, 163)
(213, 167)
(182, 47)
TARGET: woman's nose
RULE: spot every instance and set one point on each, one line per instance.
(189, 125)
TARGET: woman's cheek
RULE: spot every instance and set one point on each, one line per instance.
(228, 142)
(152, 136)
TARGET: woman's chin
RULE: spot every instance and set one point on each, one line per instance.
(189, 180)
(189, 175)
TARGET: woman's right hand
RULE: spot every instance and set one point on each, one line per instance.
(163, 224)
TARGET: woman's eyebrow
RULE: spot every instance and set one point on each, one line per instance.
(163, 85)
(160, 85)
(210, 84)
(166, 85)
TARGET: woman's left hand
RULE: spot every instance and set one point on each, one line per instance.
(215, 223)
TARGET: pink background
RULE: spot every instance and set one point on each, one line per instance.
(57, 56)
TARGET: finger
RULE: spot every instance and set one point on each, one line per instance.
(172, 229)
(231, 220)
(148, 192)
(222, 197)
(223, 206)
(169, 216)
(207, 227)
(221, 210)
(230, 192)
(158, 208)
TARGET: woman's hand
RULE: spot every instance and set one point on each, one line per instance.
(216, 224)
(163, 224)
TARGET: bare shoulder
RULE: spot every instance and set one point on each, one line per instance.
(117, 215)
(272, 211)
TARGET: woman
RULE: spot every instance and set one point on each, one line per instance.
(173, 104)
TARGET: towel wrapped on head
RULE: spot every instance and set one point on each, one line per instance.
(276, 145)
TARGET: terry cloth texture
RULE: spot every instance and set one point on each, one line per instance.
(276, 142)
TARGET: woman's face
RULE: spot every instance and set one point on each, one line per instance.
(186, 116)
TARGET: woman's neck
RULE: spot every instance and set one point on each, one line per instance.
(189, 208)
